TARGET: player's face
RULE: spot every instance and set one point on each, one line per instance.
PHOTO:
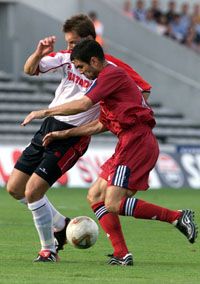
(87, 69)
(72, 38)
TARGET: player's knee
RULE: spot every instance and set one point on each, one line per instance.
(111, 206)
(31, 193)
(90, 198)
(94, 197)
(97, 192)
(12, 190)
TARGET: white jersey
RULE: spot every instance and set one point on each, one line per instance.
(73, 86)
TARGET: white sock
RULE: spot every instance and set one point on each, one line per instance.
(23, 201)
(58, 218)
(43, 219)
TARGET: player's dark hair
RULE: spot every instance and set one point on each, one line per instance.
(86, 49)
(81, 24)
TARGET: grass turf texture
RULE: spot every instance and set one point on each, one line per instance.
(161, 253)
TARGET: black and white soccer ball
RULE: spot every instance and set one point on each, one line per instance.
(82, 232)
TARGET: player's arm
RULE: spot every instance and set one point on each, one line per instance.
(88, 129)
(44, 47)
(69, 108)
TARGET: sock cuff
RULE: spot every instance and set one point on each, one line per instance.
(99, 210)
(37, 204)
(97, 205)
(122, 204)
(23, 201)
(127, 206)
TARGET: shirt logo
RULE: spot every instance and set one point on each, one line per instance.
(78, 80)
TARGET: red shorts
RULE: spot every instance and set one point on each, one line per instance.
(135, 156)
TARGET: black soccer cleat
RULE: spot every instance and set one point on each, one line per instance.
(127, 260)
(46, 256)
(187, 226)
(60, 237)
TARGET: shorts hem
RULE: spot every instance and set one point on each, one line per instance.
(44, 177)
(133, 188)
(22, 168)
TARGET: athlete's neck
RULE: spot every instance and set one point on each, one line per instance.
(105, 63)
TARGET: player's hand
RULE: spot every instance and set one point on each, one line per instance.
(33, 115)
(45, 46)
(55, 135)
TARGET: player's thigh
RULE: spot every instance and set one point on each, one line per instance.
(30, 158)
(97, 191)
(36, 188)
(17, 183)
(114, 196)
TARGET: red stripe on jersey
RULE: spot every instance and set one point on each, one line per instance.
(43, 72)
(52, 54)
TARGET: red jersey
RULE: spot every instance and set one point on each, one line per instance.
(122, 103)
(143, 85)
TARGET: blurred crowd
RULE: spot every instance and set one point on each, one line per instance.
(98, 25)
(182, 25)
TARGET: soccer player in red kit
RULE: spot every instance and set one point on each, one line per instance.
(125, 113)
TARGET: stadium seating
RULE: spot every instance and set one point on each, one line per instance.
(17, 99)
(173, 128)
(4, 77)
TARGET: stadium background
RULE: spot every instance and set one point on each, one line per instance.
(172, 69)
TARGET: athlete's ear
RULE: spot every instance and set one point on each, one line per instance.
(93, 61)
(90, 37)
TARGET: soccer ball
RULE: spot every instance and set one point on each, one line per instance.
(82, 232)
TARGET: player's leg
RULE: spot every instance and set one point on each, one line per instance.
(16, 187)
(42, 215)
(16, 184)
(24, 167)
(116, 201)
(59, 158)
(135, 157)
(109, 222)
(60, 223)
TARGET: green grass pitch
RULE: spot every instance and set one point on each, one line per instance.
(161, 253)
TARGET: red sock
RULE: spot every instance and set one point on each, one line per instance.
(111, 225)
(144, 210)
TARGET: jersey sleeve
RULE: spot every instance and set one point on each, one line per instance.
(53, 62)
(143, 85)
(104, 85)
